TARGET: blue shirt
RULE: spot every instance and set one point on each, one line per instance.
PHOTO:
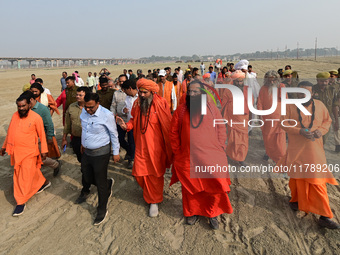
(63, 83)
(212, 76)
(99, 129)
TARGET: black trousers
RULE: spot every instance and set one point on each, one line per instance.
(94, 170)
(128, 145)
(76, 143)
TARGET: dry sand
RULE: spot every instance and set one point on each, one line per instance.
(262, 222)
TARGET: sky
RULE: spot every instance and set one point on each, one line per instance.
(134, 29)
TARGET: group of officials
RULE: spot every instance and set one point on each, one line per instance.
(161, 117)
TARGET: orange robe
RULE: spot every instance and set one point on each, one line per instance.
(238, 143)
(274, 137)
(179, 92)
(308, 187)
(166, 93)
(184, 86)
(184, 92)
(22, 145)
(153, 151)
(203, 146)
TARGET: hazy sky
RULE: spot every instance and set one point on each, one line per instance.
(114, 29)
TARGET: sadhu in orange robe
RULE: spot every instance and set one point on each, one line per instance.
(153, 150)
(22, 145)
(274, 137)
(308, 187)
(238, 143)
(202, 194)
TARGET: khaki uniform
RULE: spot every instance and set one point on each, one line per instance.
(105, 98)
(331, 99)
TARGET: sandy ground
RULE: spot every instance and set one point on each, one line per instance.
(262, 222)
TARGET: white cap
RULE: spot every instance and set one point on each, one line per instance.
(162, 72)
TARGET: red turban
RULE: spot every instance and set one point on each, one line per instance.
(148, 85)
(238, 74)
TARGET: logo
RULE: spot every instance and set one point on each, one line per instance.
(238, 102)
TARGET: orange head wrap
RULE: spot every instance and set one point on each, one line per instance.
(148, 85)
(206, 76)
(238, 74)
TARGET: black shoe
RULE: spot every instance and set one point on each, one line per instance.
(192, 220)
(19, 209)
(99, 219)
(43, 187)
(213, 223)
(82, 198)
(127, 157)
(57, 170)
(337, 148)
(326, 222)
(130, 164)
(265, 157)
(109, 186)
(294, 206)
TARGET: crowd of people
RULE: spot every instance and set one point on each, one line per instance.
(156, 118)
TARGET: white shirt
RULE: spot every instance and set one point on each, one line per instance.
(180, 77)
(47, 91)
(80, 82)
(96, 80)
(173, 98)
(129, 101)
(252, 83)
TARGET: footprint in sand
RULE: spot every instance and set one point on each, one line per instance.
(251, 233)
(176, 239)
(280, 233)
(72, 213)
(121, 185)
(250, 198)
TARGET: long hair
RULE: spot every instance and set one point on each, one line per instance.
(271, 74)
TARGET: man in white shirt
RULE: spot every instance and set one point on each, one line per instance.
(251, 82)
(202, 67)
(96, 78)
(79, 81)
(91, 81)
(126, 73)
(130, 89)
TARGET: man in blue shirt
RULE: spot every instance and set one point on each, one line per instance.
(212, 74)
(63, 81)
(98, 131)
